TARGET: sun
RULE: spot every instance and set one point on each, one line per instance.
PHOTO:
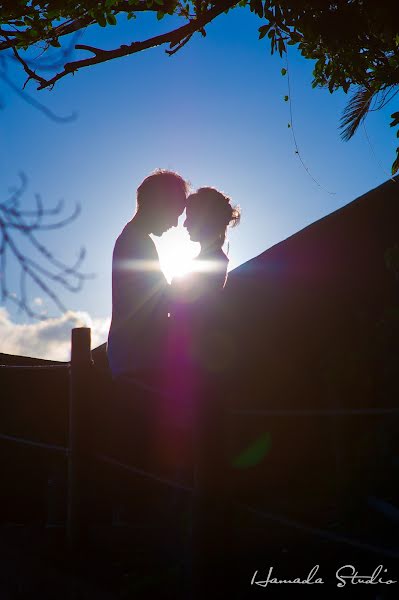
(176, 253)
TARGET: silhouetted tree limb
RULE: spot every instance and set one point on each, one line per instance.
(38, 265)
(28, 25)
(176, 38)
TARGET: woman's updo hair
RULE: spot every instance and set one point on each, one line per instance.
(216, 210)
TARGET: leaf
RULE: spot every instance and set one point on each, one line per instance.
(286, 98)
(263, 31)
(283, 71)
(101, 20)
(259, 8)
(395, 165)
(395, 117)
(111, 19)
(281, 46)
(355, 111)
(160, 15)
(254, 454)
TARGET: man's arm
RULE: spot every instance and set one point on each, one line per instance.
(139, 284)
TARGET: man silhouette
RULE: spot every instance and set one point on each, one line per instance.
(137, 340)
(139, 307)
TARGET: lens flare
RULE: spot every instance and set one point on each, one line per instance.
(176, 253)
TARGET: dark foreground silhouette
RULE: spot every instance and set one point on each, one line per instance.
(309, 324)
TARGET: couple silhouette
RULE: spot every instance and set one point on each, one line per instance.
(150, 338)
(141, 297)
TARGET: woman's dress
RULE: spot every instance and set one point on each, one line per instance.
(192, 298)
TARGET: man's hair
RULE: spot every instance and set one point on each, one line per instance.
(159, 182)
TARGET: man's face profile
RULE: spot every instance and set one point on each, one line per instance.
(166, 215)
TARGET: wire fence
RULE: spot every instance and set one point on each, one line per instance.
(25, 442)
(145, 474)
(322, 412)
(79, 377)
(37, 368)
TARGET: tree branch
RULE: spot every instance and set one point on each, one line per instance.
(31, 74)
(173, 37)
(45, 270)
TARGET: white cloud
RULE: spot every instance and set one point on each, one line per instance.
(50, 339)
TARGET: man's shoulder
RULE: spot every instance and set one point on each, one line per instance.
(131, 232)
(132, 240)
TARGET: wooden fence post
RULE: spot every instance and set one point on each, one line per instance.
(212, 509)
(78, 435)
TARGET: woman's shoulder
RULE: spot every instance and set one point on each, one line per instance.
(215, 258)
(212, 269)
(213, 253)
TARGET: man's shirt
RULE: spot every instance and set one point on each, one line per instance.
(139, 308)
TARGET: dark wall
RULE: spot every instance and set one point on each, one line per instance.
(312, 323)
(305, 319)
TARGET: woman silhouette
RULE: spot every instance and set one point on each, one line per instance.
(208, 214)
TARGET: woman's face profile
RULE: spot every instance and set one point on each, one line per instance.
(194, 222)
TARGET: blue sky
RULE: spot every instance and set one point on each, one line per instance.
(215, 112)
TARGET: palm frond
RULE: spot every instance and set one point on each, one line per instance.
(355, 111)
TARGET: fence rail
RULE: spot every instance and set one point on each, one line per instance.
(322, 412)
(25, 442)
(145, 474)
(36, 367)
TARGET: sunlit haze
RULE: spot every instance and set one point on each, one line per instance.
(176, 252)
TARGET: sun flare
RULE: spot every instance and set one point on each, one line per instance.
(176, 253)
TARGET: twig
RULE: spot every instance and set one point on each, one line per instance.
(50, 270)
(179, 46)
(31, 74)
